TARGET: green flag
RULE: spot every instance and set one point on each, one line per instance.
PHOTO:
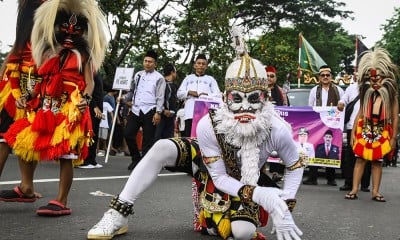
(309, 60)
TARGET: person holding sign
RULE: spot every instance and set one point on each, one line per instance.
(324, 94)
(146, 99)
(194, 86)
(278, 98)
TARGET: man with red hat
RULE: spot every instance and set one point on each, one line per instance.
(278, 98)
(276, 93)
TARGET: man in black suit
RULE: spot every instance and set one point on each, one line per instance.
(324, 150)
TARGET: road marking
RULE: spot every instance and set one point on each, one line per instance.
(87, 178)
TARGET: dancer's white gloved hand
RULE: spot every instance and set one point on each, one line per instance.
(285, 228)
(270, 199)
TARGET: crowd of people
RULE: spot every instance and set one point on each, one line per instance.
(52, 107)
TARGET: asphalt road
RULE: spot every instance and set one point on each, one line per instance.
(165, 210)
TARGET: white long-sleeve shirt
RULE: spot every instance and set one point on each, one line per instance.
(200, 84)
(349, 95)
(148, 89)
(312, 99)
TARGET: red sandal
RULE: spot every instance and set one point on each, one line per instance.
(53, 209)
(16, 195)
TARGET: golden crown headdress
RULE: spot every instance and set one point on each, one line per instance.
(245, 74)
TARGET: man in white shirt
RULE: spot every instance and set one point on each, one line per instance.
(325, 93)
(350, 99)
(194, 86)
(146, 100)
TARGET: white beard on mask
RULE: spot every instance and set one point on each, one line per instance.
(247, 137)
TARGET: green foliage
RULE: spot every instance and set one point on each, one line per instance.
(134, 30)
(280, 49)
(391, 39)
(205, 29)
(273, 13)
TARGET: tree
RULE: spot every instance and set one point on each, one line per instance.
(180, 29)
(273, 13)
(280, 48)
(205, 29)
(201, 27)
(134, 30)
(390, 39)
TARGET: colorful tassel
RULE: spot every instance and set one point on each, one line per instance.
(12, 133)
(224, 227)
(44, 122)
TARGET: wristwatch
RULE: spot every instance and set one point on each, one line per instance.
(159, 112)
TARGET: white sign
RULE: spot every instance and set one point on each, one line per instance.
(123, 78)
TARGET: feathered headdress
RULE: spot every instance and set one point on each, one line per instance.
(43, 35)
(378, 65)
(238, 42)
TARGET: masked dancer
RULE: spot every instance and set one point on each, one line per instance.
(375, 128)
(69, 39)
(233, 142)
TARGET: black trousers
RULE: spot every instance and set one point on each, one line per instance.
(188, 128)
(313, 173)
(132, 128)
(348, 166)
(276, 167)
(165, 129)
(91, 158)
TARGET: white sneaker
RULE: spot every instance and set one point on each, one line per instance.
(98, 165)
(113, 223)
(89, 166)
(101, 154)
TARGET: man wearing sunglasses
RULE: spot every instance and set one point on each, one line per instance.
(276, 94)
(325, 93)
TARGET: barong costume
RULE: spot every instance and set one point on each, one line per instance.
(374, 131)
(66, 37)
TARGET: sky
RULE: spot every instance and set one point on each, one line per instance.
(369, 16)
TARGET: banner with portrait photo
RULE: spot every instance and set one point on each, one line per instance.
(324, 126)
(201, 107)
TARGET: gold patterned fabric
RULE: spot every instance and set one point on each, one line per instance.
(188, 154)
